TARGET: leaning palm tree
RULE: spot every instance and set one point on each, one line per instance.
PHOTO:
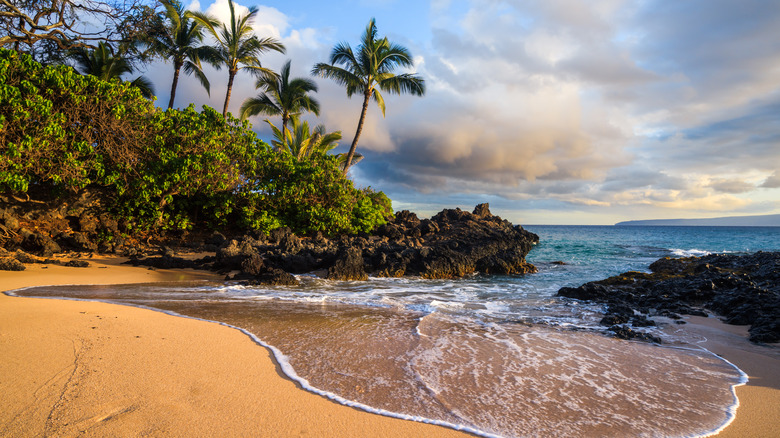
(368, 71)
(178, 39)
(103, 64)
(237, 46)
(282, 97)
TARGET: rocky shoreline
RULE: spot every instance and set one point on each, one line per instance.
(451, 244)
(742, 289)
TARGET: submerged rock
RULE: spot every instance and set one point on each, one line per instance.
(743, 289)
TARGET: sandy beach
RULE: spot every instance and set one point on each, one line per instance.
(92, 369)
(86, 368)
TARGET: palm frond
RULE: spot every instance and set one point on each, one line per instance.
(352, 82)
(403, 83)
(145, 85)
(380, 101)
(191, 68)
(262, 104)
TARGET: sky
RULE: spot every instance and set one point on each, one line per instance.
(553, 111)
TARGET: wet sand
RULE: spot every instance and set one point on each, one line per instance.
(72, 368)
(758, 414)
(103, 369)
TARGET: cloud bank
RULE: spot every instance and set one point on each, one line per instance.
(561, 112)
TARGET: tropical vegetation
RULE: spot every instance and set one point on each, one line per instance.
(68, 132)
(282, 96)
(65, 133)
(177, 37)
(368, 71)
(237, 46)
(103, 64)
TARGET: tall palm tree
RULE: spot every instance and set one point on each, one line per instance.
(102, 63)
(368, 71)
(237, 46)
(177, 38)
(282, 97)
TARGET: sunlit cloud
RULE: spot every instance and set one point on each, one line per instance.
(606, 110)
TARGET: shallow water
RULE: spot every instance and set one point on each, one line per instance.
(498, 376)
(499, 355)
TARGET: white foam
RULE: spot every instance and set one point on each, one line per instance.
(689, 252)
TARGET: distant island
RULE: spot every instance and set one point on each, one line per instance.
(768, 220)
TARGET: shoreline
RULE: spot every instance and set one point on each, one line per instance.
(85, 367)
(755, 414)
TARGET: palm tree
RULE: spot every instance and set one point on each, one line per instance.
(369, 71)
(302, 142)
(282, 96)
(237, 46)
(103, 64)
(177, 38)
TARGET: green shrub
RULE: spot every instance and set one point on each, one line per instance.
(163, 170)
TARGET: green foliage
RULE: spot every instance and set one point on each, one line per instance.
(312, 195)
(163, 170)
(65, 129)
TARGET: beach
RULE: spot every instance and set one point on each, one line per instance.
(75, 367)
(94, 369)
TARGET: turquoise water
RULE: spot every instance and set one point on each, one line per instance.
(597, 252)
(497, 355)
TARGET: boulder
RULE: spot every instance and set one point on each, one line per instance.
(11, 264)
(348, 266)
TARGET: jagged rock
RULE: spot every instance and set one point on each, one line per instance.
(77, 242)
(41, 244)
(165, 262)
(76, 264)
(27, 258)
(88, 223)
(452, 244)
(274, 277)
(348, 266)
(11, 222)
(253, 265)
(11, 264)
(625, 332)
(482, 211)
(743, 289)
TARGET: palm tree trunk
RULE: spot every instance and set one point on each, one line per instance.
(351, 153)
(232, 75)
(285, 118)
(176, 68)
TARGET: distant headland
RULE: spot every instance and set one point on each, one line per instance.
(768, 220)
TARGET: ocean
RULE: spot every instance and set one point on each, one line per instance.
(492, 355)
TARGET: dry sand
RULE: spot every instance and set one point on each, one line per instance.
(83, 368)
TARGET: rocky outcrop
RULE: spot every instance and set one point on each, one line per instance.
(452, 244)
(743, 289)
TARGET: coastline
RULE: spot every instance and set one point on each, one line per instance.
(123, 400)
(758, 413)
(97, 369)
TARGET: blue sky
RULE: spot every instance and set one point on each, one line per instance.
(554, 111)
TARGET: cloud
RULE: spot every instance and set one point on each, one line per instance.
(772, 182)
(609, 107)
(733, 186)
